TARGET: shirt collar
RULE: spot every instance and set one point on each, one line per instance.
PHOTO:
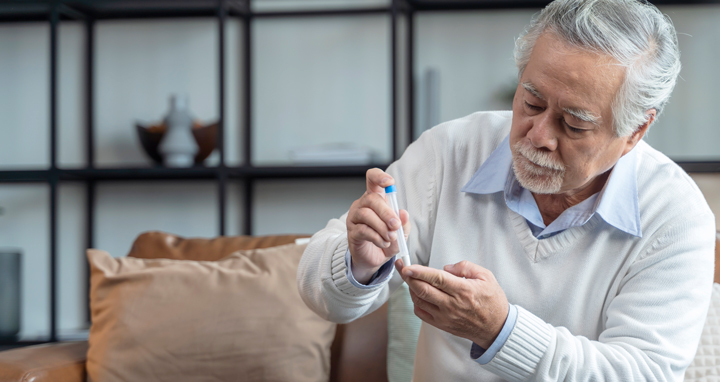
(492, 175)
(617, 203)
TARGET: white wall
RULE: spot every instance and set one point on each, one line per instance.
(316, 80)
(71, 261)
(320, 81)
(689, 128)
(473, 53)
(24, 96)
(301, 206)
(71, 95)
(25, 225)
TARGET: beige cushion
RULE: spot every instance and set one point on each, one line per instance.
(238, 318)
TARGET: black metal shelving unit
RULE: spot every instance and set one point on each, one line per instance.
(91, 11)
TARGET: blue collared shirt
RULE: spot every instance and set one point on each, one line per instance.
(616, 204)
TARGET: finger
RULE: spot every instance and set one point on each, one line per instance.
(368, 217)
(442, 280)
(377, 179)
(427, 293)
(423, 315)
(399, 265)
(425, 305)
(380, 206)
(405, 219)
(467, 270)
(362, 232)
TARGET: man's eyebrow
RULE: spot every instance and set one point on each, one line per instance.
(583, 115)
(529, 87)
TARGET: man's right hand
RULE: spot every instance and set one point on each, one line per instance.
(371, 226)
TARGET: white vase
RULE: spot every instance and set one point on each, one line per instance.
(178, 146)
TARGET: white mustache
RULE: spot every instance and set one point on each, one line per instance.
(538, 157)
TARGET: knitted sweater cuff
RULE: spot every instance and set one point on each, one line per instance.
(517, 360)
(339, 273)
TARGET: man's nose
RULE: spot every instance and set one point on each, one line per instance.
(542, 133)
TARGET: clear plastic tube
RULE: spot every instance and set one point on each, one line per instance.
(391, 196)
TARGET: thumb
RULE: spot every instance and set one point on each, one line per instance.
(465, 269)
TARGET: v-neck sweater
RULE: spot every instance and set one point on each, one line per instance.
(594, 302)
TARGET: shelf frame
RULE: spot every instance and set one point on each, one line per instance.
(91, 11)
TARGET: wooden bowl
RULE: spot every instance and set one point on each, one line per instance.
(205, 136)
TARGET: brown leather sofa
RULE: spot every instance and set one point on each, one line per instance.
(358, 352)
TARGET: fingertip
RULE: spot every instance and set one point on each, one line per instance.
(407, 272)
(377, 178)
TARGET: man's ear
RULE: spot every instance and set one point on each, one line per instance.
(635, 137)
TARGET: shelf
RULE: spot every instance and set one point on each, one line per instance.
(36, 10)
(699, 167)
(141, 173)
(191, 173)
(449, 5)
(39, 10)
(325, 12)
(306, 171)
(8, 345)
(121, 9)
(241, 172)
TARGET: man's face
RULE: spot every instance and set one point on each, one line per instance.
(561, 135)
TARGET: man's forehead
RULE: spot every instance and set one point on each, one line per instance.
(582, 79)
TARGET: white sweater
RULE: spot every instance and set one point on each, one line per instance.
(594, 303)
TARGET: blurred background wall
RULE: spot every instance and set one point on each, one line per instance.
(316, 80)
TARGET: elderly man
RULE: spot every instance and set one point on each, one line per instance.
(550, 243)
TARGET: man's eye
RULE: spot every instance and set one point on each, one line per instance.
(533, 107)
(572, 129)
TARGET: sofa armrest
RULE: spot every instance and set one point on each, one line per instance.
(56, 362)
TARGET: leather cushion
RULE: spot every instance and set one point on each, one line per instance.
(162, 245)
(57, 362)
(181, 320)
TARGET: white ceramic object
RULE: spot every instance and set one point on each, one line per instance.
(178, 146)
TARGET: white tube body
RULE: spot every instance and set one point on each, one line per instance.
(404, 254)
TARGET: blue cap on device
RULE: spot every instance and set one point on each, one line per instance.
(390, 189)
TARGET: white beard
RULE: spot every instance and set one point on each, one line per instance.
(537, 171)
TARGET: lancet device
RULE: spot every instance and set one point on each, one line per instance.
(391, 196)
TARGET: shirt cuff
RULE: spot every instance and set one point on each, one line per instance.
(380, 277)
(483, 356)
(518, 359)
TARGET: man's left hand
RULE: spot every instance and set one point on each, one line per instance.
(464, 299)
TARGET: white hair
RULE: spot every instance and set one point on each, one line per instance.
(636, 34)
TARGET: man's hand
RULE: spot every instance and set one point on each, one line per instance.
(371, 226)
(464, 300)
